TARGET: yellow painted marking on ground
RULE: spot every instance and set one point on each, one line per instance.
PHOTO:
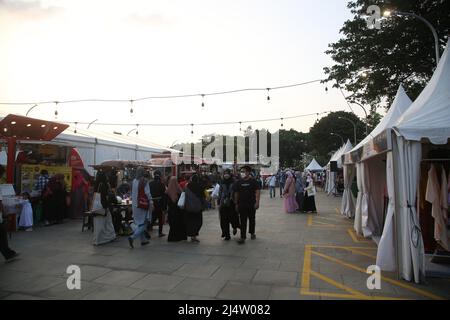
(356, 294)
(310, 221)
(306, 267)
(342, 247)
(392, 281)
(355, 237)
(363, 253)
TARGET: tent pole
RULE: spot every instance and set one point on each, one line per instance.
(396, 210)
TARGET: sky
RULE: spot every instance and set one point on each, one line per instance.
(58, 50)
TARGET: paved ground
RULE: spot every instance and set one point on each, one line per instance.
(295, 256)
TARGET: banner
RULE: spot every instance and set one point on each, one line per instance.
(30, 174)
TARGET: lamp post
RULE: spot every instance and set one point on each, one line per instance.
(365, 111)
(30, 109)
(91, 123)
(354, 127)
(388, 13)
(338, 135)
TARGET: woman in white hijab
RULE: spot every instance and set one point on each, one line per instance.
(310, 192)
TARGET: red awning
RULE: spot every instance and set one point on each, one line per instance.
(24, 128)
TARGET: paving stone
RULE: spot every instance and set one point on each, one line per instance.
(158, 282)
(204, 288)
(281, 278)
(120, 278)
(61, 292)
(234, 274)
(113, 293)
(196, 270)
(159, 295)
(244, 291)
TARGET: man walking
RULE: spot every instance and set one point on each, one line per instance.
(247, 194)
(158, 190)
(272, 185)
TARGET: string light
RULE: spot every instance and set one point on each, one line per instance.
(240, 126)
(192, 128)
(56, 109)
(168, 97)
(137, 127)
(75, 131)
(326, 89)
(268, 96)
(201, 124)
(203, 102)
(131, 107)
(282, 122)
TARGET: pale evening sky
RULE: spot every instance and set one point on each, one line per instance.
(64, 49)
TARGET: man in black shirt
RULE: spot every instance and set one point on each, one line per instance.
(246, 195)
(158, 191)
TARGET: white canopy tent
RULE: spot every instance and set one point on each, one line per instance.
(370, 173)
(427, 120)
(95, 147)
(337, 156)
(314, 166)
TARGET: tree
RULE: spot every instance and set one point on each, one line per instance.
(322, 142)
(292, 145)
(371, 63)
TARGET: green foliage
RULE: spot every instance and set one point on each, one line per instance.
(322, 143)
(371, 63)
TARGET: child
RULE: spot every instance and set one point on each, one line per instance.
(26, 216)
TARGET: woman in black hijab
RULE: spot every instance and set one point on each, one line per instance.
(227, 210)
(194, 205)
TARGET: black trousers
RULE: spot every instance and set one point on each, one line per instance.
(228, 216)
(4, 248)
(244, 214)
(300, 200)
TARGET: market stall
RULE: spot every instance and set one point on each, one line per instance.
(29, 149)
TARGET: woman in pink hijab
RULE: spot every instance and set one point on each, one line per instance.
(290, 204)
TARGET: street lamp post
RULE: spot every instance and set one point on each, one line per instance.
(388, 13)
(365, 111)
(338, 135)
(354, 127)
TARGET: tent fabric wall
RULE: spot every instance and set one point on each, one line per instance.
(348, 200)
(406, 156)
(386, 248)
(358, 209)
(375, 169)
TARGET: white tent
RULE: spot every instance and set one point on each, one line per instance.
(367, 211)
(428, 119)
(337, 156)
(314, 166)
(95, 147)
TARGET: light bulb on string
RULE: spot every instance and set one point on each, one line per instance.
(203, 100)
(75, 131)
(240, 126)
(56, 109)
(268, 95)
(131, 107)
(137, 127)
(281, 122)
(326, 89)
(192, 129)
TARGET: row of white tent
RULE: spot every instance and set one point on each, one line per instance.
(336, 157)
(96, 147)
(391, 156)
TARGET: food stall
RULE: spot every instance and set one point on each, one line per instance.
(28, 145)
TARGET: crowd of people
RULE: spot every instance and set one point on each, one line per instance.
(298, 189)
(184, 201)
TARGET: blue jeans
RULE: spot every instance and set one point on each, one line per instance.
(139, 231)
(281, 188)
(272, 192)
